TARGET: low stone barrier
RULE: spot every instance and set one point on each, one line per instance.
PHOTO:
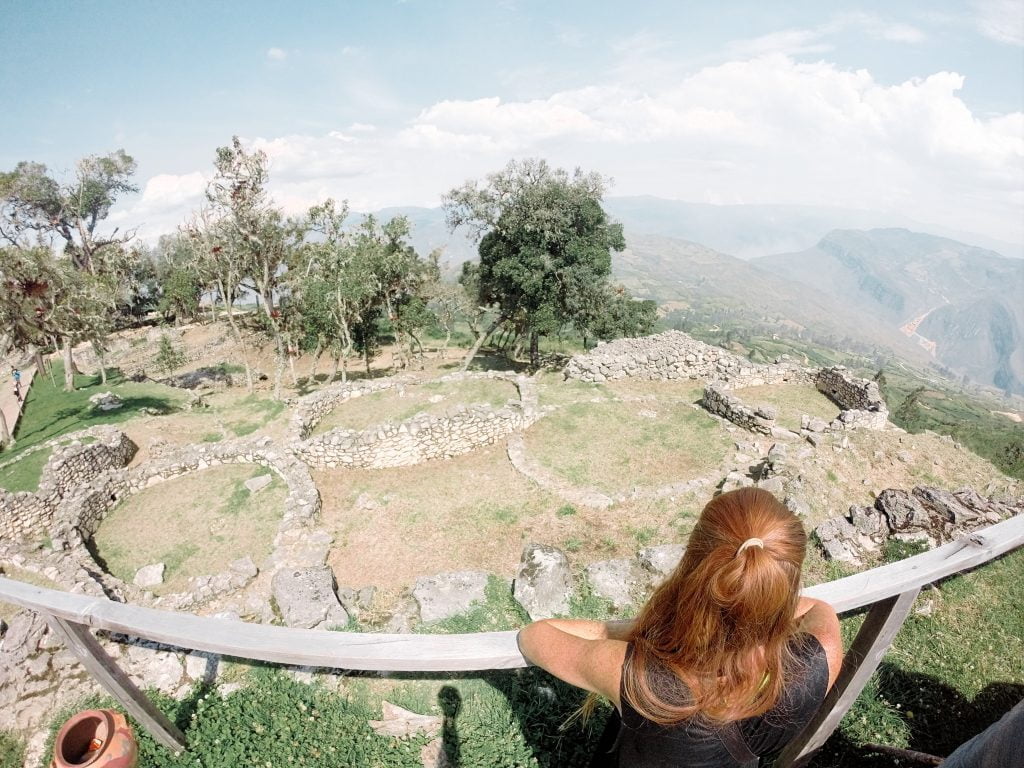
(73, 464)
(721, 403)
(861, 401)
(422, 438)
(676, 355)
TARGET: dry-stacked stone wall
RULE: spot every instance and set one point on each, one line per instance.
(676, 355)
(460, 429)
(860, 399)
(70, 467)
(719, 401)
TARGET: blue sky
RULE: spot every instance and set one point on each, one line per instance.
(913, 106)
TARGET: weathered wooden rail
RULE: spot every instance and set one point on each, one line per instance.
(888, 591)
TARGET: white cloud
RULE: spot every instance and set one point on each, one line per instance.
(762, 130)
(1001, 20)
(898, 33)
(277, 54)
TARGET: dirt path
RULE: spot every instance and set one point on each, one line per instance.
(10, 406)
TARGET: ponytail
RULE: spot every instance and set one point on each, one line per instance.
(723, 619)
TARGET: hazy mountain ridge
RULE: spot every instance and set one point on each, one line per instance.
(962, 303)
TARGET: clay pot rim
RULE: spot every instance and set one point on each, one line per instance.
(106, 715)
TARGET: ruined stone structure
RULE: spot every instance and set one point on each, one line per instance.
(72, 464)
(727, 405)
(422, 438)
(860, 399)
(675, 355)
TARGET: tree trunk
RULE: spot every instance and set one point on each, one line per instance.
(41, 366)
(479, 343)
(534, 350)
(241, 343)
(316, 358)
(69, 367)
(337, 362)
(5, 433)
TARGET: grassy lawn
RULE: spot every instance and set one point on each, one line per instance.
(614, 446)
(24, 474)
(51, 412)
(195, 524)
(389, 405)
(790, 400)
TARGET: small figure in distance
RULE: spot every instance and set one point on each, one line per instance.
(726, 661)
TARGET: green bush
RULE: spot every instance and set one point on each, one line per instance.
(168, 357)
(12, 750)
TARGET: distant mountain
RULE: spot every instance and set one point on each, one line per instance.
(696, 280)
(750, 231)
(962, 304)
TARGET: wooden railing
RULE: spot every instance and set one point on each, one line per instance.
(888, 591)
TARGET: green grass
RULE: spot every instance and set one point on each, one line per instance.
(12, 750)
(498, 612)
(24, 474)
(51, 412)
(947, 676)
(612, 447)
(968, 419)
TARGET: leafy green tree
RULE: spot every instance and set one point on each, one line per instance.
(545, 244)
(179, 284)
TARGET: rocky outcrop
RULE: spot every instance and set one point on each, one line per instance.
(928, 515)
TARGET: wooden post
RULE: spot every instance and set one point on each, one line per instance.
(105, 670)
(874, 638)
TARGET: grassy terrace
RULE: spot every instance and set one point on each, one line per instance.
(432, 398)
(932, 693)
(614, 445)
(205, 520)
(49, 411)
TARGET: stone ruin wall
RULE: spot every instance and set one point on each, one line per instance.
(860, 399)
(71, 467)
(720, 402)
(676, 355)
(422, 438)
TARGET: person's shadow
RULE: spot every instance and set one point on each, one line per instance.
(451, 702)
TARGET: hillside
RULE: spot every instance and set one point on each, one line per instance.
(963, 304)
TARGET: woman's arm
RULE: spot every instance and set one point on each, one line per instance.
(819, 619)
(581, 653)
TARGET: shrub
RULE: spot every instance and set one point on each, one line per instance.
(168, 357)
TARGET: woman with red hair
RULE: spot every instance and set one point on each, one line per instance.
(725, 663)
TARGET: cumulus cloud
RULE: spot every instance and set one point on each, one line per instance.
(277, 54)
(767, 129)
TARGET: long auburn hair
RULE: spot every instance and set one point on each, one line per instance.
(723, 619)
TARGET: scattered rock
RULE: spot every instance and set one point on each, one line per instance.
(543, 582)
(244, 567)
(105, 401)
(258, 483)
(401, 723)
(661, 560)
(797, 506)
(449, 594)
(614, 580)
(306, 598)
(149, 575)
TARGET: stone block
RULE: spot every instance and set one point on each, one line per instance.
(543, 582)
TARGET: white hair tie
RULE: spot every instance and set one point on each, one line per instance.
(749, 543)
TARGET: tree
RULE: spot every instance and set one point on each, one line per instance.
(265, 239)
(179, 281)
(545, 244)
(95, 275)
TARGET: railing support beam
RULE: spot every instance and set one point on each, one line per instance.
(104, 669)
(876, 634)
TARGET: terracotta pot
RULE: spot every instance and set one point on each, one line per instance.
(97, 738)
